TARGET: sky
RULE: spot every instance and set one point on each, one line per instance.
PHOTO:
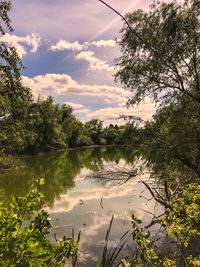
(68, 49)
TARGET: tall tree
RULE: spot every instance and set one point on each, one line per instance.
(13, 96)
(161, 52)
(94, 129)
(172, 140)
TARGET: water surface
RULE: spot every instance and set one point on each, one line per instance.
(76, 198)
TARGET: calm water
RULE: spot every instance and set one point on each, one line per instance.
(76, 199)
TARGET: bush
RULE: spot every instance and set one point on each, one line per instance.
(29, 245)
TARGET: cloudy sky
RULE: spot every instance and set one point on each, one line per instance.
(68, 49)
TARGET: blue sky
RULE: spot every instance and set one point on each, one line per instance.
(68, 49)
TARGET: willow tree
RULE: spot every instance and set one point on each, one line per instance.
(160, 58)
(161, 52)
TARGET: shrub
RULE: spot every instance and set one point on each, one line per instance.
(28, 245)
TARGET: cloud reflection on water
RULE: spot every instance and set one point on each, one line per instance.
(80, 209)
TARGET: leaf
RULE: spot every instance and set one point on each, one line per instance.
(42, 181)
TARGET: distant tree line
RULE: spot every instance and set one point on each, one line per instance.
(43, 125)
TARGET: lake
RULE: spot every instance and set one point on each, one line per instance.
(78, 196)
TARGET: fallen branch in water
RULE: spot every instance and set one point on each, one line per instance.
(156, 195)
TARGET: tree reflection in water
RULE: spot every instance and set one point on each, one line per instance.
(59, 170)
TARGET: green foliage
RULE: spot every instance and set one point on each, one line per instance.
(13, 96)
(145, 256)
(94, 129)
(161, 59)
(45, 126)
(84, 140)
(183, 221)
(146, 252)
(28, 245)
(111, 133)
(171, 140)
(110, 255)
(130, 135)
(194, 261)
(161, 52)
(5, 7)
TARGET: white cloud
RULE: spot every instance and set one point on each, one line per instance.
(33, 40)
(111, 114)
(62, 45)
(104, 43)
(20, 42)
(64, 85)
(66, 88)
(78, 108)
(73, 105)
(94, 62)
(65, 45)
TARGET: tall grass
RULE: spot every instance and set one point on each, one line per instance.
(110, 254)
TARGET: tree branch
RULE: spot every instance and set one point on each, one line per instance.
(166, 60)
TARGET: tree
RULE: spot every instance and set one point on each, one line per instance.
(48, 124)
(84, 140)
(51, 126)
(111, 134)
(131, 134)
(161, 59)
(94, 129)
(14, 98)
(171, 142)
(72, 127)
(12, 94)
(161, 52)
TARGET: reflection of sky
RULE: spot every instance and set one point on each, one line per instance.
(73, 41)
(81, 209)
